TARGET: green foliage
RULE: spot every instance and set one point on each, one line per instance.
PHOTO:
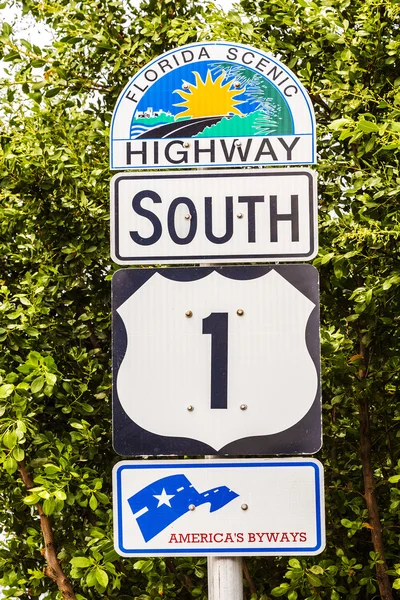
(55, 111)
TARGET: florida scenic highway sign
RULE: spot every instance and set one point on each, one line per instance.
(212, 104)
(220, 360)
(219, 507)
(237, 215)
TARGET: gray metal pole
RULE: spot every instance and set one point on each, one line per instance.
(224, 573)
(225, 579)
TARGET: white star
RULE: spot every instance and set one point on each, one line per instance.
(163, 498)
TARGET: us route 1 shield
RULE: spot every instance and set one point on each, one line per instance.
(246, 215)
(216, 360)
(219, 507)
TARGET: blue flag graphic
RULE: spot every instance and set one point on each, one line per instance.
(165, 500)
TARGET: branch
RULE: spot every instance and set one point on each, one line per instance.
(385, 588)
(345, 489)
(248, 578)
(316, 98)
(53, 568)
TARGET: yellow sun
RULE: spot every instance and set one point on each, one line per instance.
(209, 98)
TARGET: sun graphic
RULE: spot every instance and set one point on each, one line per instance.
(209, 98)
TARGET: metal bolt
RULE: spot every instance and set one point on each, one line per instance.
(244, 506)
(190, 408)
(186, 144)
(243, 407)
(188, 216)
(240, 312)
(236, 84)
(185, 86)
(191, 507)
(189, 314)
(240, 215)
(238, 144)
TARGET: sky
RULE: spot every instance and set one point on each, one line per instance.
(40, 35)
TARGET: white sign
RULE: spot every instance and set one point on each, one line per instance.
(223, 216)
(204, 354)
(219, 507)
(212, 104)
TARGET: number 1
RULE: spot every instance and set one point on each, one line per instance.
(216, 324)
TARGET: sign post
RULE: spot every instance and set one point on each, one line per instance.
(201, 354)
(225, 578)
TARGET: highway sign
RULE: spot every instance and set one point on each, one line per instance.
(216, 360)
(217, 507)
(212, 104)
(224, 216)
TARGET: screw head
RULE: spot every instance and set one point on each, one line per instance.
(240, 312)
(191, 507)
(189, 314)
(185, 86)
(244, 506)
(236, 84)
(190, 408)
(240, 215)
(186, 144)
(188, 217)
(243, 407)
(238, 144)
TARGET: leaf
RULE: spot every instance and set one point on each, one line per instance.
(314, 580)
(280, 591)
(23, 386)
(293, 562)
(394, 479)
(26, 368)
(347, 523)
(49, 506)
(317, 570)
(18, 453)
(10, 438)
(103, 498)
(51, 379)
(34, 358)
(247, 28)
(36, 96)
(339, 124)
(32, 499)
(367, 126)
(81, 562)
(53, 92)
(51, 469)
(60, 495)
(6, 390)
(10, 465)
(91, 578)
(37, 384)
(327, 257)
(11, 57)
(102, 577)
(93, 503)
(32, 331)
